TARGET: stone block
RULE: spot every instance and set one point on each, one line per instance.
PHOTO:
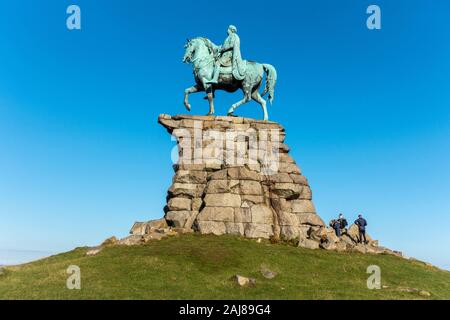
(223, 200)
(216, 214)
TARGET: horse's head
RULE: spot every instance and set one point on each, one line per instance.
(189, 51)
(197, 47)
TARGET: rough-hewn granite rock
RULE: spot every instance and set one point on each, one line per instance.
(234, 176)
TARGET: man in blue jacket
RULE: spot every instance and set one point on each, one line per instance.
(361, 223)
(335, 224)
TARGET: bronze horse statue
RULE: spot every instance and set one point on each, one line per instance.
(202, 53)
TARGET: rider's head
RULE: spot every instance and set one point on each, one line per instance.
(232, 29)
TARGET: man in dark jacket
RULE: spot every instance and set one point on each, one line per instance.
(343, 223)
(336, 226)
(361, 223)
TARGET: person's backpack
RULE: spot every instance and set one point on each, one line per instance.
(332, 223)
(344, 223)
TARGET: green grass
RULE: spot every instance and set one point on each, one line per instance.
(200, 267)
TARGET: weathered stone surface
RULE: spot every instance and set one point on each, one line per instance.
(353, 232)
(109, 242)
(242, 215)
(131, 240)
(288, 168)
(218, 175)
(243, 173)
(157, 224)
(305, 193)
(182, 230)
(250, 187)
(139, 228)
(178, 203)
(424, 293)
(287, 190)
(360, 248)
(318, 233)
(235, 228)
(190, 176)
(225, 214)
(253, 230)
(309, 218)
(331, 235)
(286, 158)
(243, 281)
(222, 195)
(303, 206)
(249, 200)
(248, 174)
(328, 245)
(299, 179)
(186, 190)
(93, 251)
(211, 227)
(218, 186)
(218, 197)
(308, 244)
(286, 218)
(142, 228)
(179, 218)
(341, 246)
(348, 240)
(289, 232)
(190, 220)
(281, 178)
(223, 200)
(261, 214)
(196, 204)
(153, 236)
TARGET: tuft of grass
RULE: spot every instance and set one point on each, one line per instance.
(200, 267)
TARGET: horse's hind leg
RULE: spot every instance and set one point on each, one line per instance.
(187, 92)
(257, 97)
(247, 97)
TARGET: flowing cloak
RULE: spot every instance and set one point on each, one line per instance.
(231, 56)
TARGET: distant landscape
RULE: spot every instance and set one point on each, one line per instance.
(14, 257)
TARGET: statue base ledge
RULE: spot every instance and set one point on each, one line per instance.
(232, 119)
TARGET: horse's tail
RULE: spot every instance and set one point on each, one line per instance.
(271, 80)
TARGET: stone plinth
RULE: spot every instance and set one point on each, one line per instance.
(235, 176)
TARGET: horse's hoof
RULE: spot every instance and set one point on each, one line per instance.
(231, 114)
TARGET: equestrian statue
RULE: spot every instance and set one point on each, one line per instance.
(222, 68)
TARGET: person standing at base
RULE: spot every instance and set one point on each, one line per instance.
(342, 224)
(336, 226)
(361, 223)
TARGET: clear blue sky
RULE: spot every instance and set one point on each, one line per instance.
(367, 113)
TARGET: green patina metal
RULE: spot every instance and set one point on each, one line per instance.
(222, 68)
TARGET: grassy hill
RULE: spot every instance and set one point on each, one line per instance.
(200, 267)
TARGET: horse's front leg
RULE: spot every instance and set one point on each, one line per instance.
(211, 103)
(187, 92)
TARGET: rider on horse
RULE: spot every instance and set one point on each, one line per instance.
(229, 55)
